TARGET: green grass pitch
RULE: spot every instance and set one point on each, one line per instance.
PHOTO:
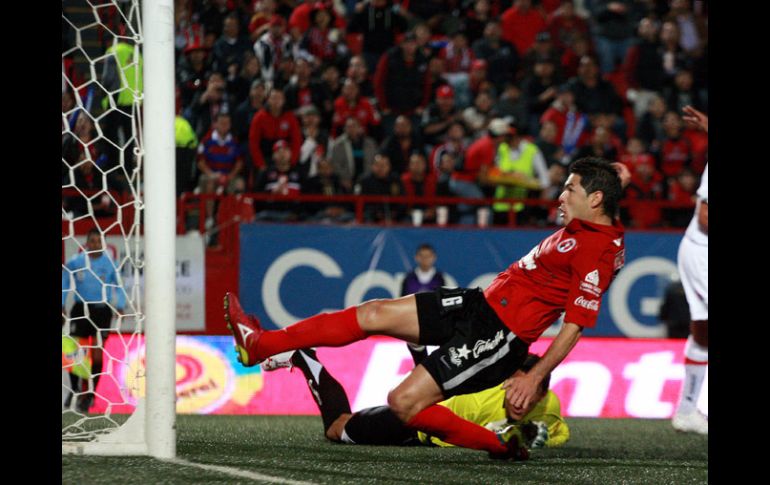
(292, 448)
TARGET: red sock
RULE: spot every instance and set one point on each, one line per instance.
(445, 425)
(326, 329)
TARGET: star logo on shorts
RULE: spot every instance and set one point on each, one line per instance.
(463, 352)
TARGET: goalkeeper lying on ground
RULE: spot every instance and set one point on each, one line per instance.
(540, 425)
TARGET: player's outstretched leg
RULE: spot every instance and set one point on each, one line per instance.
(397, 318)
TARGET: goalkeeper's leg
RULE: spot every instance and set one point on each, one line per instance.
(327, 392)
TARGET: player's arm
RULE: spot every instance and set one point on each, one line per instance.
(522, 390)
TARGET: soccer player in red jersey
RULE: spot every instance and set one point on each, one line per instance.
(483, 336)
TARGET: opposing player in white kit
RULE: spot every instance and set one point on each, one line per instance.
(693, 261)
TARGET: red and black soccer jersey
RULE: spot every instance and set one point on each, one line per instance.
(567, 272)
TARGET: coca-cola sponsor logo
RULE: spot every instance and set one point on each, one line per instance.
(592, 305)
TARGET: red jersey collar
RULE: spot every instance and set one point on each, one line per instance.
(615, 230)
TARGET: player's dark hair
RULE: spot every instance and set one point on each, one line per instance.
(94, 230)
(597, 174)
(425, 246)
(529, 363)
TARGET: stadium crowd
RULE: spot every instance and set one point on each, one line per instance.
(468, 98)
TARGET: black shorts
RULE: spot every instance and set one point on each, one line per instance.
(100, 318)
(476, 350)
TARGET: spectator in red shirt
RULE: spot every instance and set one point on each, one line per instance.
(260, 21)
(457, 54)
(681, 190)
(576, 50)
(271, 124)
(564, 25)
(417, 181)
(303, 17)
(521, 23)
(351, 103)
(676, 151)
(646, 185)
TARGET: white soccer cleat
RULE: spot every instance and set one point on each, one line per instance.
(278, 361)
(693, 422)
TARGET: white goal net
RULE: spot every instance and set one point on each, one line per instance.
(103, 224)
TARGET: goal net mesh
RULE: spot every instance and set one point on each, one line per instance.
(102, 371)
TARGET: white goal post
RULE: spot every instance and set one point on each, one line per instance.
(150, 430)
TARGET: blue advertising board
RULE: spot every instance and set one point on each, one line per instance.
(291, 272)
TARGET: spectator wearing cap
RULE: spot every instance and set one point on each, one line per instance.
(270, 124)
(478, 80)
(280, 179)
(351, 103)
(220, 163)
(314, 143)
(352, 153)
(478, 116)
(501, 56)
(470, 178)
(572, 126)
(520, 25)
(522, 170)
(540, 89)
(400, 82)
(321, 40)
(380, 24)
(564, 25)
(229, 48)
(193, 70)
(260, 19)
(272, 47)
(543, 48)
(439, 115)
(404, 141)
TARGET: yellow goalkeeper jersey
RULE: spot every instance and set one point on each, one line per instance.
(486, 409)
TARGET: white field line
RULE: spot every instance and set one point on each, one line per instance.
(238, 473)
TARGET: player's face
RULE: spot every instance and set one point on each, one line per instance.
(518, 413)
(425, 258)
(574, 201)
(94, 245)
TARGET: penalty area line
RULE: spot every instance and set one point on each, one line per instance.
(238, 473)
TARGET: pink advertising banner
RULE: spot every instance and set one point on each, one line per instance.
(602, 377)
